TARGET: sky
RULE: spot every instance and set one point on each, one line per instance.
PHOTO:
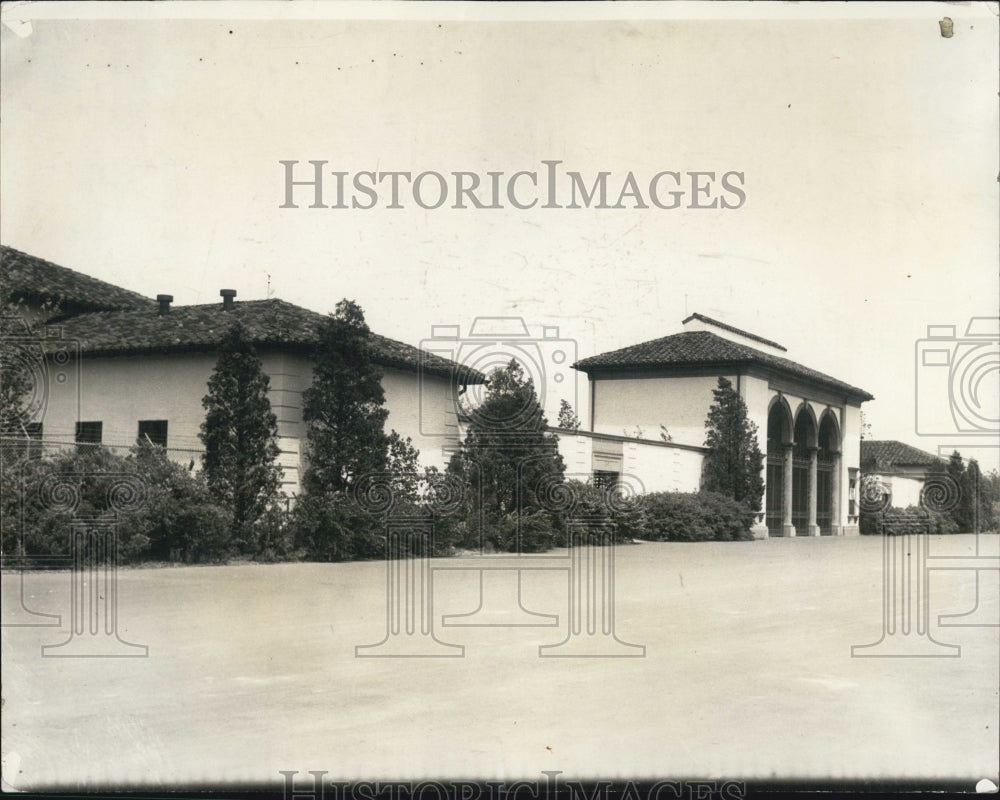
(142, 145)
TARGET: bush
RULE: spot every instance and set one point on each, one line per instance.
(912, 520)
(273, 536)
(176, 515)
(332, 527)
(695, 517)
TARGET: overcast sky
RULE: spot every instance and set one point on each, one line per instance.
(146, 152)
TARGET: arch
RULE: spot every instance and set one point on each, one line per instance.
(779, 443)
(806, 429)
(827, 473)
(779, 421)
(829, 437)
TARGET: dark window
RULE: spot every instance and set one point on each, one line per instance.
(153, 429)
(34, 431)
(604, 478)
(89, 432)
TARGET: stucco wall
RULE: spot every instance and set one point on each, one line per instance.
(679, 403)
(119, 391)
(658, 468)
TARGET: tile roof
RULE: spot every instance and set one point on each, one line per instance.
(704, 348)
(271, 323)
(889, 453)
(731, 329)
(35, 279)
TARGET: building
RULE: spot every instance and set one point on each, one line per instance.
(900, 468)
(121, 367)
(647, 409)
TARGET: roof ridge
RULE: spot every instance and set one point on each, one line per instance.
(733, 329)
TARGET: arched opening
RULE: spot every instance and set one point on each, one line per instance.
(827, 464)
(805, 444)
(779, 437)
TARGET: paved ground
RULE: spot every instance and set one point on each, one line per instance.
(748, 673)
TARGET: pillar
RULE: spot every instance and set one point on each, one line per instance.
(93, 616)
(905, 602)
(409, 624)
(787, 528)
(591, 624)
(812, 529)
(836, 505)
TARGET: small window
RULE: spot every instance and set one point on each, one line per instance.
(605, 479)
(155, 430)
(89, 432)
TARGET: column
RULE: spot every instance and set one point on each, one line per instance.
(836, 505)
(812, 529)
(905, 601)
(409, 622)
(787, 529)
(94, 596)
(591, 589)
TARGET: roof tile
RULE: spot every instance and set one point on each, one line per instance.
(270, 323)
(35, 279)
(699, 348)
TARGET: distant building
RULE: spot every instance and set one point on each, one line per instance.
(902, 469)
(808, 423)
(132, 368)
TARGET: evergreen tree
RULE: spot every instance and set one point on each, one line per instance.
(508, 459)
(963, 512)
(568, 420)
(344, 408)
(240, 436)
(345, 416)
(734, 462)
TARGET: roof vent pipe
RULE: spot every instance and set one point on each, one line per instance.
(227, 298)
(164, 300)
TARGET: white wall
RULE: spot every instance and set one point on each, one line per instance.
(119, 391)
(659, 468)
(679, 403)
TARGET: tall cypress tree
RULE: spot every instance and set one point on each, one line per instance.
(344, 408)
(345, 416)
(240, 435)
(734, 462)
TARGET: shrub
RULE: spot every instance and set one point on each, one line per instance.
(331, 527)
(176, 515)
(695, 517)
(912, 520)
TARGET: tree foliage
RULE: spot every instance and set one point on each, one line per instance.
(346, 440)
(344, 408)
(509, 463)
(734, 462)
(240, 435)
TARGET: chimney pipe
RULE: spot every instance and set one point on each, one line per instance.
(227, 298)
(164, 300)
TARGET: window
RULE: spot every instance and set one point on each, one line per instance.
(605, 479)
(89, 432)
(153, 429)
(34, 431)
